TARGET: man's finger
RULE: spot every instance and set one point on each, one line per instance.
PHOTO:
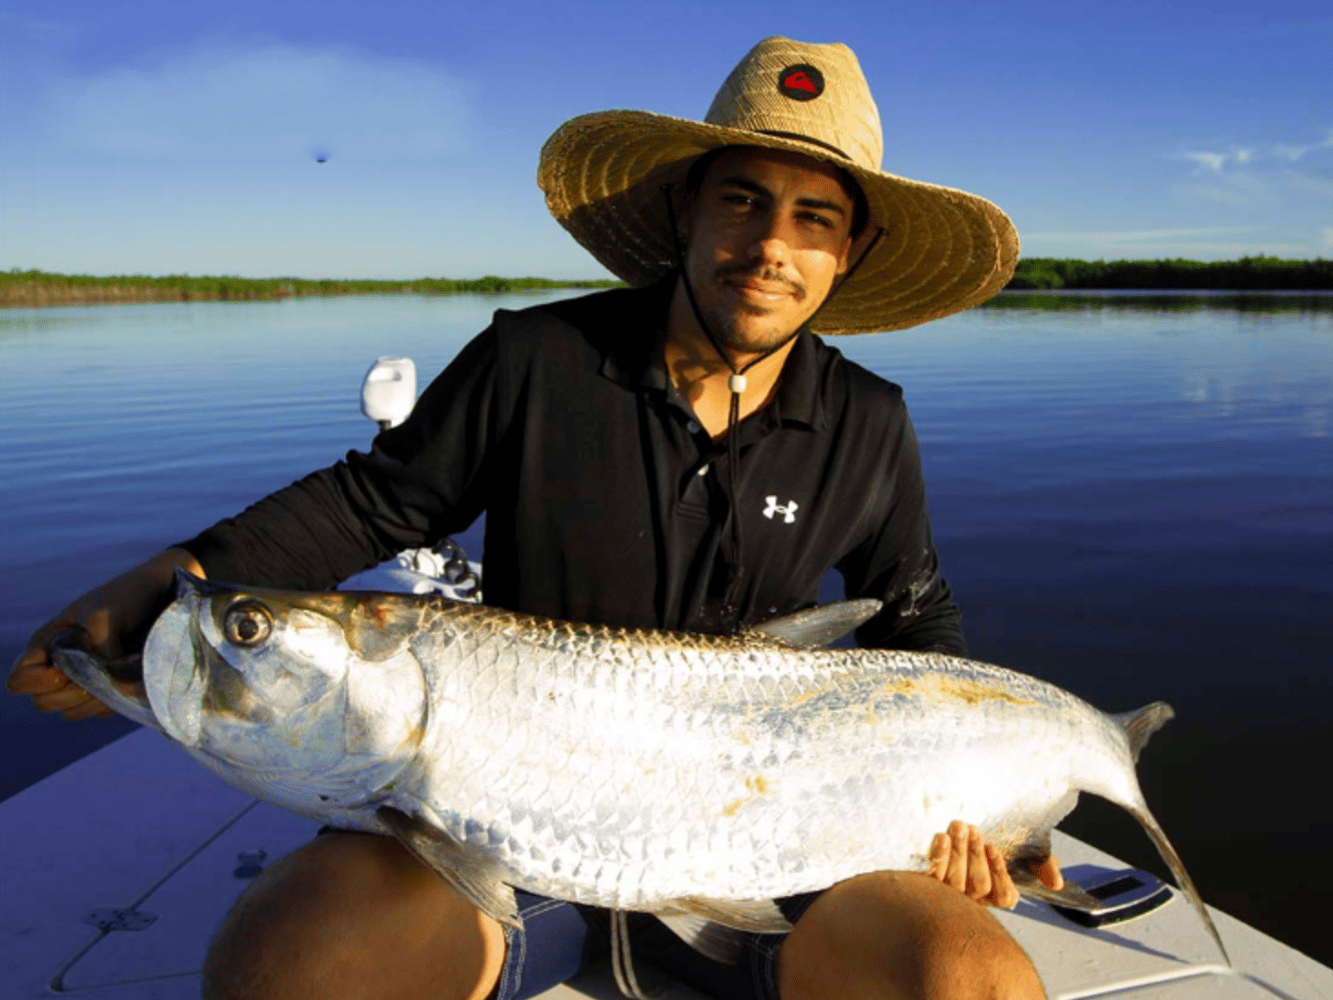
(1049, 873)
(35, 678)
(66, 698)
(939, 856)
(978, 867)
(955, 873)
(87, 710)
(1003, 894)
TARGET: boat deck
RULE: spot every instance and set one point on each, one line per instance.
(117, 869)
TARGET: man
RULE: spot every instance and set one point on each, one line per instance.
(681, 454)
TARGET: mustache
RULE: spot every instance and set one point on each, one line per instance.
(767, 275)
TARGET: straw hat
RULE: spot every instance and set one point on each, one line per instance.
(943, 250)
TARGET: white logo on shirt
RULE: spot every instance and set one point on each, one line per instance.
(788, 510)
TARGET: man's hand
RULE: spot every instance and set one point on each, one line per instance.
(111, 613)
(962, 859)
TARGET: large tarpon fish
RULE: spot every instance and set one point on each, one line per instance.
(691, 776)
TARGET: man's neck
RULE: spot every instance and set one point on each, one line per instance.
(700, 375)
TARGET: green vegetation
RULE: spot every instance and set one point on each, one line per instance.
(1034, 275)
(1247, 274)
(42, 288)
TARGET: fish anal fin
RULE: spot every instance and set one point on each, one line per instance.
(473, 875)
(758, 916)
(1141, 724)
(821, 625)
(1070, 894)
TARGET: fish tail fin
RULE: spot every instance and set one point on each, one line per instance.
(1172, 859)
(1141, 724)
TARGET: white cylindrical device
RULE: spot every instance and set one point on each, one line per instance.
(389, 391)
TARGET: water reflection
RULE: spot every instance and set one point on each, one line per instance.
(1165, 302)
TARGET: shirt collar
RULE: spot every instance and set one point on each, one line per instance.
(639, 362)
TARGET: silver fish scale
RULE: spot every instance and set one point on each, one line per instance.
(626, 769)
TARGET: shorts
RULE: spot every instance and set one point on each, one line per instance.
(559, 939)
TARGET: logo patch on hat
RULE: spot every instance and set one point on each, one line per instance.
(801, 82)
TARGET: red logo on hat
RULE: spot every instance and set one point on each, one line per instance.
(801, 82)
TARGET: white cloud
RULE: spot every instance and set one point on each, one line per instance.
(226, 102)
(1134, 235)
(1259, 175)
(1215, 243)
(1294, 153)
(1208, 161)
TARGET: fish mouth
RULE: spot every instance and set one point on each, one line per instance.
(116, 683)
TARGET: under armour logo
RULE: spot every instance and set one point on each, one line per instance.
(788, 510)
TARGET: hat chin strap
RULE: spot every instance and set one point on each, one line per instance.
(737, 382)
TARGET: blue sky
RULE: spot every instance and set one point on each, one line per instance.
(166, 137)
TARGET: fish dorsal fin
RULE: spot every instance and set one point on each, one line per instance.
(471, 873)
(822, 625)
(758, 916)
(1140, 725)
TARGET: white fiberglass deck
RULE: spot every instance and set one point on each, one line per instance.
(138, 832)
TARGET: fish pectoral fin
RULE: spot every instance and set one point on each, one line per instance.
(708, 937)
(472, 874)
(758, 916)
(1070, 894)
(822, 625)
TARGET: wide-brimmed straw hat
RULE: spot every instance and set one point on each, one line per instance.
(942, 251)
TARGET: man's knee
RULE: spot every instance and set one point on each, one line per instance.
(352, 915)
(903, 935)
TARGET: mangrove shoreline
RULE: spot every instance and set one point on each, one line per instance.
(1034, 276)
(43, 288)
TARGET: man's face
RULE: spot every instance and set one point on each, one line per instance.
(769, 233)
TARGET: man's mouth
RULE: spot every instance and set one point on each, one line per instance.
(763, 287)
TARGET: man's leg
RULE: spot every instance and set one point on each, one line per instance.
(900, 935)
(353, 916)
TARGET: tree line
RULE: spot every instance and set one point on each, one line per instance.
(38, 288)
(1247, 274)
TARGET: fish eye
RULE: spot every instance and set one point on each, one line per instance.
(247, 623)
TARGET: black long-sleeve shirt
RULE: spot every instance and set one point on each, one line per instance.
(606, 502)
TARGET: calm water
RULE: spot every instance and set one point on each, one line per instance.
(1134, 504)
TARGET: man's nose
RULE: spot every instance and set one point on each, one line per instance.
(770, 241)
